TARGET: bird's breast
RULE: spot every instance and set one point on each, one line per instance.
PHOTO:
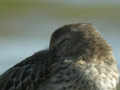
(81, 76)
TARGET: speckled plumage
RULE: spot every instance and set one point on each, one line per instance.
(78, 59)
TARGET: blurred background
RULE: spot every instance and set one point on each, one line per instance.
(26, 25)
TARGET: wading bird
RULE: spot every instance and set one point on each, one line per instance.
(78, 58)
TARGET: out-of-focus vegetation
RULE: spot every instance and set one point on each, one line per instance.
(63, 11)
(14, 9)
(17, 9)
(118, 87)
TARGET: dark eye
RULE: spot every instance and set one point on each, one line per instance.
(64, 40)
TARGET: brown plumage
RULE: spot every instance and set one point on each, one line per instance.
(78, 59)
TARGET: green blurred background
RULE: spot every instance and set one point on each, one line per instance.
(26, 25)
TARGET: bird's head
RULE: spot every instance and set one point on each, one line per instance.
(76, 40)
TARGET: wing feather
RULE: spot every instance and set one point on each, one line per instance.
(26, 75)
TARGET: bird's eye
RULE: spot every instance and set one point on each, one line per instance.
(63, 41)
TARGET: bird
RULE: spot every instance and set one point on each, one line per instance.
(78, 58)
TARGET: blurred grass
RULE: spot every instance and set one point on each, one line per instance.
(118, 88)
(12, 9)
(63, 11)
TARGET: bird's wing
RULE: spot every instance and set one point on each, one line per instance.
(26, 75)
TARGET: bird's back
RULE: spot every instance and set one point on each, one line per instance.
(28, 74)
